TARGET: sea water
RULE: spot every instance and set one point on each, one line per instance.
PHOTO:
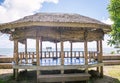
(9, 51)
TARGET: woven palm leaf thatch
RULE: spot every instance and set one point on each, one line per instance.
(56, 20)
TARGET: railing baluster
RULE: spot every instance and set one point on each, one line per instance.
(48, 54)
(32, 57)
(20, 57)
(53, 54)
(75, 54)
(79, 54)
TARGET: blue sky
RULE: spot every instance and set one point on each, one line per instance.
(92, 8)
(11, 10)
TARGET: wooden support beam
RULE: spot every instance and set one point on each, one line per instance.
(26, 56)
(40, 48)
(97, 42)
(15, 71)
(101, 58)
(53, 34)
(62, 53)
(37, 55)
(62, 56)
(86, 54)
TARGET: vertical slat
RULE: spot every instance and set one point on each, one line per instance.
(56, 49)
(53, 54)
(45, 54)
(23, 55)
(79, 54)
(75, 54)
(28, 55)
(83, 55)
(33, 57)
(48, 54)
(71, 45)
(59, 54)
(20, 57)
(67, 54)
(90, 56)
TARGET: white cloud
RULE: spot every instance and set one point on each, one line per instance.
(11, 10)
(107, 21)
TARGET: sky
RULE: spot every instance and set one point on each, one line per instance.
(11, 10)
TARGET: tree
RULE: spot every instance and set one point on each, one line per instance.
(114, 11)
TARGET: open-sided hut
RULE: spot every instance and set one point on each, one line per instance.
(57, 27)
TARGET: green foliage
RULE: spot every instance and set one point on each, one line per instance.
(1, 81)
(114, 11)
(112, 52)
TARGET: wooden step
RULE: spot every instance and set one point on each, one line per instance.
(111, 62)
(64, 77)
(5, 65)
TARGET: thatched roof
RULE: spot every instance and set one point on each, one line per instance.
(56, 26)
(56, 20)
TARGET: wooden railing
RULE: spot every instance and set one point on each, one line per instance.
(53, 54)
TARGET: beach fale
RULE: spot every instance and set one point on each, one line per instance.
(57, 27)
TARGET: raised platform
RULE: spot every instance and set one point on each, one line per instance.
(54, 64)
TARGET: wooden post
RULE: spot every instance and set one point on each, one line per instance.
(37, 55)
(62, 53)
(15, 71)
(62, 58)
(86, 54)
(40, 47)
(98, 50)
(26, 56)
(101, 58)
(71, 46)
(56, 49)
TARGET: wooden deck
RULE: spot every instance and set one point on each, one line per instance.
(59, 67)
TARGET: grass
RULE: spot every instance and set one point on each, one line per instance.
(115, 73)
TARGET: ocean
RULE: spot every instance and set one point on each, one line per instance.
(9, 51)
